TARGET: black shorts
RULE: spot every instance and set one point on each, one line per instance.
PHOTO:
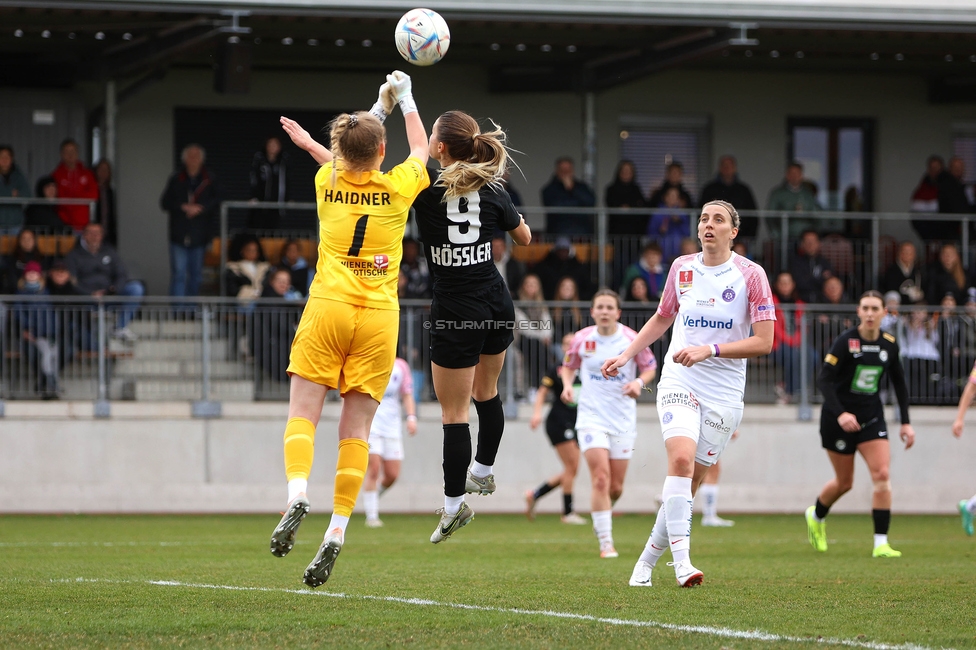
(834, 438)
(463, 326)
(560, 430)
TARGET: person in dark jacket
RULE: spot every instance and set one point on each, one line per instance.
(727, 187)
(567, 191)
(561, 262)
(269, 183)
(673, 177)
(191, 198)
(45, 217)
(105, 208)
(624, 192)
(274, 326)
(13, 184)
(24, 252)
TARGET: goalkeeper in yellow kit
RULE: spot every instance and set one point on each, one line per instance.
(347, 336)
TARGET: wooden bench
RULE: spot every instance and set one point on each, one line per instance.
(47, 245)
(272, 247)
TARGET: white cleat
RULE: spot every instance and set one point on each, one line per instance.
(607, 551)
(687, 575)
(641, 577)
(374, 523)
(717, 522)
(574, 519)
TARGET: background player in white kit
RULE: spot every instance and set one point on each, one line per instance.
(386, 439)
(713, 298)
(606, 416)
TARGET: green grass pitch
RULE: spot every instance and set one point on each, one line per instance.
(501, 582)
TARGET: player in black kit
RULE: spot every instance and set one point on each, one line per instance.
(852, 419)
(471, 315)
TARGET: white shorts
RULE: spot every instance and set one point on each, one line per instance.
(386, 448)
(621, 447)
(683, 413)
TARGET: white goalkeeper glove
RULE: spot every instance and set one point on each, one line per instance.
(384, 103)
(402, 88)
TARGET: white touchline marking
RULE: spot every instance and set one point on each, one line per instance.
(756, 635)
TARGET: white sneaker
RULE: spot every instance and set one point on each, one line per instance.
(374, 523)
(641, 577)
(687, 575)
(574, 519)
(125, 334)
(717, 521)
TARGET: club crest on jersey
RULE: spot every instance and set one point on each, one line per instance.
(381, 261)
(883, 355)
(854, 346)
(668, 416)
(589, 347)
(685, 279)
(728, 295)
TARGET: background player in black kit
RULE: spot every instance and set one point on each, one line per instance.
(471, 313)
(852, 419)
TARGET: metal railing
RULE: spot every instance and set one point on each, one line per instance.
(212, 350)
(24, 202)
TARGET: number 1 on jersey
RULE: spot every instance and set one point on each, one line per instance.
(358, 236)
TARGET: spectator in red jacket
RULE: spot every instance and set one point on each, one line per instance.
(788, 340)
(75, 181)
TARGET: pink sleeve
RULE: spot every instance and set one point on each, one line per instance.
(761, 305)
(572, 359)
(668, 307)
(406, 386)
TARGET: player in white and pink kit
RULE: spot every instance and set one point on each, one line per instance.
(606, 416)
(713, 298)
(386, 439)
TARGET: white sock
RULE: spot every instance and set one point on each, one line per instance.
(971, 506)
(296, 486)
(338, 521)
(657, 543)
(603, 526)
(709, 495)
(880, 540)
(481, 471)
(371, 503)
(452, 504)
(677, 509)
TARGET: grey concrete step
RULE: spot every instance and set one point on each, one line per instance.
(171, 349)
(154, 329)
(221, 390)
(162, 368)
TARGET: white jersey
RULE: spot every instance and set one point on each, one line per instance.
(601, 402)
(387, 423)
(713, 305)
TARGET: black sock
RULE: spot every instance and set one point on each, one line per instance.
(491, 425)
(542, 490)
(882, 520)
(457, 457)
(821, 510)
(567, 503)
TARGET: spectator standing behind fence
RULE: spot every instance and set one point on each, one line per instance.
(274, 326)
(269, 183)
(567, 191)
(566, 320)
(13, 184)
(560, 262)
(667, 228)
(726, 186)
(673, 178)
(793, 195)
(36, 323)
(296, 265)
(534, 335)
(511, 270)
(624, 192)
(44, 216)
(99, 271)
(952, 341)
(25, 251)
(191, 199)
(905, 276)
(920, 354)
(953, 198)
(75, 181)
(925, 198)
(947, 276)
(788, 338)
(650, 267)
(413, 265)
(809, 268)
(105, 208)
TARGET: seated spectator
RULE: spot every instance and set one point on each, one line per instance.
(952, 342)
(566, 191)
(673, 177)
(947, 276)
(792, 195)
(566, 320)
(274, 326)
(668, 228)
(13, 184)
(269, 183)
(788, 345)
(75, 181)
(905, 275)
(809, 268)
(98, 271)
(413, 265)
(890, 322)
(44, 217)
(925, 198)
(35, 321)
(534, 340)
(920, 356)
(624, 192)
(561, 261)
(105, 209)
(637, 291)
(831, 324)
(24, 253)
(511, 270)
(246, 273)
(727, 187)
(293, 262)
(650, 268)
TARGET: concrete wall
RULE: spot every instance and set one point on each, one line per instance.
(54, 457)
(748, 113)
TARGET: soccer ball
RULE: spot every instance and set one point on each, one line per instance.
(422, 37)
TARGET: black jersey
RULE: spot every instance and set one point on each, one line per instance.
(457, 235)
(852, 374)
(561, 410)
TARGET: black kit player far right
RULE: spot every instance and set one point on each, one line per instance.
(850, 379)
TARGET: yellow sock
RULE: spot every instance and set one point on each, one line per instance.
(350, 470)
(299, 448)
